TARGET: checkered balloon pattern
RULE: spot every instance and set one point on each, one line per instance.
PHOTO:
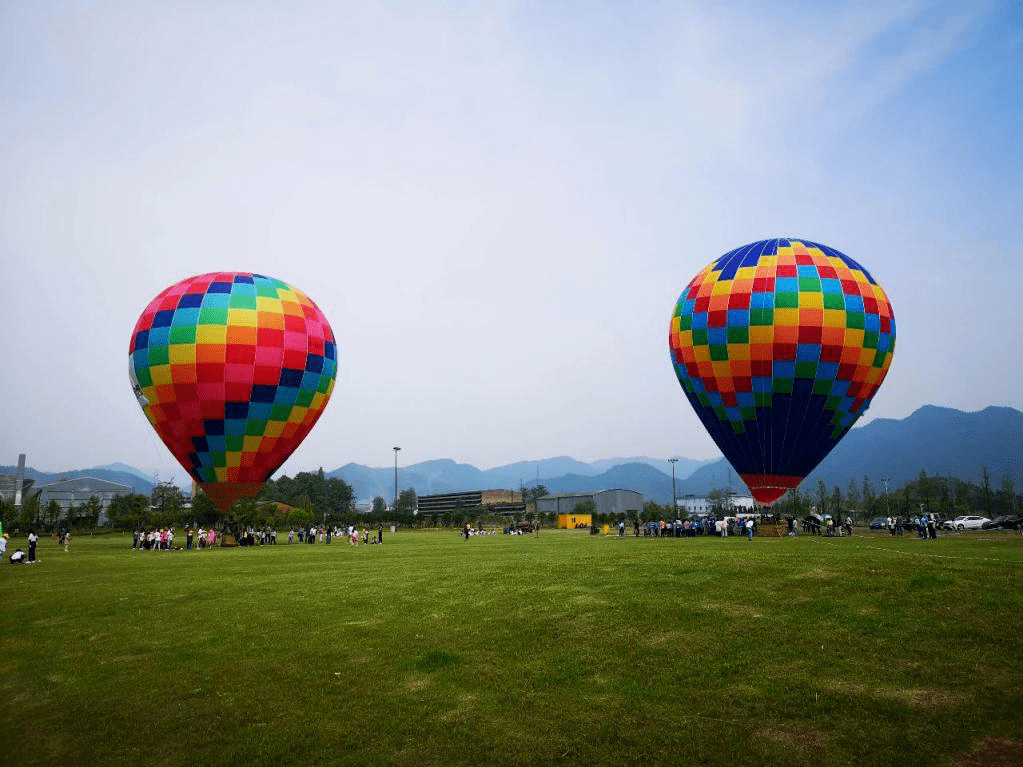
(780, 346)
(232, 370)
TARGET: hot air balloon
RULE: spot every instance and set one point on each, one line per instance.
(232, 369)
(780, 345)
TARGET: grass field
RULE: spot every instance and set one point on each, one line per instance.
(558, 649)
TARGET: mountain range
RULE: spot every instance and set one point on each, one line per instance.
(558, 475)
(939, 440)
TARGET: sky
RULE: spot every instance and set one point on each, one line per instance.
(495, 204)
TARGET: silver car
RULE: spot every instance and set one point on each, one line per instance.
(964, 522)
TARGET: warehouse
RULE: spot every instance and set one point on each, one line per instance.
(604, 502)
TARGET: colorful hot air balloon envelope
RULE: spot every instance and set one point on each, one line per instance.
(780, 346)
(232, 370)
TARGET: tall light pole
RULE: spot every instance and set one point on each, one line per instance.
(674, 505)
(887, 502)
(395, 507)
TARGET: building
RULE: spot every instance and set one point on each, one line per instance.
(68, 493)
(13, 489)
(604, 502)
(496, 501)
(9, 489)
(701, 506)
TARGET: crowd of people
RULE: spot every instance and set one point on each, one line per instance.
(924, 526)
(326, 534)
(693, 528)
(163, 539)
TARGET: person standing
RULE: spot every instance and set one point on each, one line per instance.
(67, 541)
(380, 533)
(33, 539)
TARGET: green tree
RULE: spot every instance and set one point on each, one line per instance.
(203, 511)
(985, 490)
(328, 498)
(128, 512)
(1007, 496)
(51, 515)
(300, 518)
(29, 512)
(924, 488)
(379, 505)
(869, 496)
(822, 498)
(408, 502)
(652, 511)
(168, 500)
(852, 496)
(88, 514)
(534, 492)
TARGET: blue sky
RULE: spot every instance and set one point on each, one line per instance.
(495, 204)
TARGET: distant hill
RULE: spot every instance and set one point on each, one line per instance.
(939, 440)
(683, 468)
(131, 477)
(561, 474)
(654, 484)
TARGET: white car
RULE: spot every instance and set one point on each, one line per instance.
(964, 522)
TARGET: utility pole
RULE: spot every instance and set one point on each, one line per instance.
(674, 505)
(395, 507)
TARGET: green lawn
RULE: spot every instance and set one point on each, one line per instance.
(561, 649)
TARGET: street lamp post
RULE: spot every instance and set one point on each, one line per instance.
(887, 501)
(395, 507)
(674, 505)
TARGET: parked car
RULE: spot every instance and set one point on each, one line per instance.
(969, 522)
(879, 523)
(1003, 522)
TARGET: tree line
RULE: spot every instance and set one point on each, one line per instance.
(948, 497)
(311, 498)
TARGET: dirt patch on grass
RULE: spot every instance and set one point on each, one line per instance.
(992, 752)
(821, 573)
(800, 741)
(465, 709)
(416, 683)
(913, 696)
